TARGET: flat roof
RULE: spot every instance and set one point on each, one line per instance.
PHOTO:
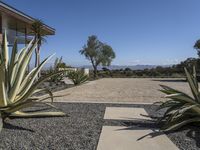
(24, 17)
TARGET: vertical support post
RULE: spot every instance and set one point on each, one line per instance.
(25, 43)
(16, 31)
(1, 30)
(25, 32)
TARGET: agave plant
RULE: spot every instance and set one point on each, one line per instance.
(17, 86)
(181, 109)
(77, 77)
(58, 78)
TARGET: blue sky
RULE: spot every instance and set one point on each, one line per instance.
(157, 32)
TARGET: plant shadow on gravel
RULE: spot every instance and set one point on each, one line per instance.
(14, 127)
(39, 109)
(194, 133)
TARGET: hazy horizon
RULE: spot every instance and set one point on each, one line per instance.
(112, 67)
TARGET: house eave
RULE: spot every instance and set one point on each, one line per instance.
(23, 17)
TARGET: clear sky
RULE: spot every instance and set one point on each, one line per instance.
(155, 32)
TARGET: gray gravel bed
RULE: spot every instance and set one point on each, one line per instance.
(81, 129)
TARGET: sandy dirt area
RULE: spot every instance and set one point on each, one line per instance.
(121, 90)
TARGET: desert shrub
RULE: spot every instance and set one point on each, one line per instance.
(128, 73)
(17, 86)
(177, 75)
(105, 69)
(127, 69)
(103, 74)
(77, 77)
(181, 109)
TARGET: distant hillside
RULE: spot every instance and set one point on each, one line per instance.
(135, 67)
(113, 67)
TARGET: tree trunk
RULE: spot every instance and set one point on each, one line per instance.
(95, 72)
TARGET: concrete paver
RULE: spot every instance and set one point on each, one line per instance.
(129, 138)
(120, 138)
(125, 113)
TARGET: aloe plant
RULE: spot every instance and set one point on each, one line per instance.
(17, 86)
(77, 77)
(181, 109)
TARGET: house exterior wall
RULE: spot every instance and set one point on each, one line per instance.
(13, 29)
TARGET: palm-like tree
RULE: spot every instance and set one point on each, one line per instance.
(38, 32)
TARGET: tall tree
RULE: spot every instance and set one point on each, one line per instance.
(97, 53)
(197, 47)
(38, 32)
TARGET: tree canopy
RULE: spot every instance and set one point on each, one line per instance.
(197, 47)
(97, 53)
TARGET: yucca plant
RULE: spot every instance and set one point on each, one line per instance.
(77, 77)
(17, 86)
(181, 109)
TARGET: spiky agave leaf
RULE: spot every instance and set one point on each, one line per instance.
(3, 94)
(37, 83)
(25, 101)
(26, 79)
(77, 77)
(12, 64)
(193, 85)
(45, 90)
(21, 114)
(26, 86)
(181, 97)
(21, 71)
(179, 123)
(181, 109)
(5, 51)
(1, 123)
(195, 77)
(17, 88)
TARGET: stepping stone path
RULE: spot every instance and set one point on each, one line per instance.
(125, 138)
(125, 113)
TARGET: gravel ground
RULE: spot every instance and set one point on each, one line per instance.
(81, 130)
(121, 90)
(54, 87)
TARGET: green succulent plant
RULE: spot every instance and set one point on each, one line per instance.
(181, 109)
(17, 86)
(58, 78)
(77, 77)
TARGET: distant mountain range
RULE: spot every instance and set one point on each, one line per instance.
(135, 67)
(113, 67)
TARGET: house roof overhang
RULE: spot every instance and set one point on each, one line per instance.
(22, 17)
